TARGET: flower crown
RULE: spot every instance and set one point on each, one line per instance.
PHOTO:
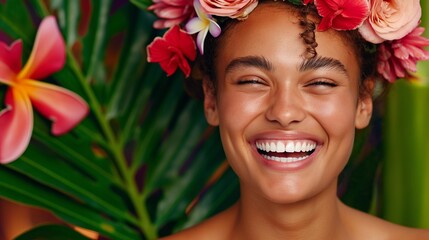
(393, 26)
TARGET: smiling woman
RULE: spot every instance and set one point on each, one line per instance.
(287, 99)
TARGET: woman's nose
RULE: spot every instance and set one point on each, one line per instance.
(286, 107)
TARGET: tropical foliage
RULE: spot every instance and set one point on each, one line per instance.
(144, 163)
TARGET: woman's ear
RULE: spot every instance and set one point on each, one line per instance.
(210, 105)
(365, 105)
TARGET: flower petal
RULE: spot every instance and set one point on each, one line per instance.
(201, 38)
(10, 61)
(354, 14)
(65, 108)
(214, 29)
(183, 41)
(342, 14)
(16, 123)
(48, 54)
(368, 33)
(167, 23)
(179, 60)
(173, 51)
(157, 50)
(195, 25)
(325, 23)
(171, 12)
(199, 10)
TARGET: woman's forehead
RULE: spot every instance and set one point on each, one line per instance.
(275, 34)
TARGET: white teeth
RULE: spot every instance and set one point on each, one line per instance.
(273, 147)
(286, 146)
(280, 147)
(298, 147)
(283, 159)
(304, 147)
(290, 147)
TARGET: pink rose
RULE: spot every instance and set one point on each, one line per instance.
(390, 20)
(341, 14)
(229, 8)
(172, 12)
(173, 51)
(399, 57)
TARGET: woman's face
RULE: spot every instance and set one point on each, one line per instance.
(287, 124)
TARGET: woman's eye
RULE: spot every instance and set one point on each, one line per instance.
(322, 83)
(249, 81)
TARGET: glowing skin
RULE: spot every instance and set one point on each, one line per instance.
(287, 127)
(267, 92)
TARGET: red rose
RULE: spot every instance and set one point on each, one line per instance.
(173, 50)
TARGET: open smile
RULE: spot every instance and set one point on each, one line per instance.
(285, 151)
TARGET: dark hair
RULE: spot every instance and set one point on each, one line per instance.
(365, 51)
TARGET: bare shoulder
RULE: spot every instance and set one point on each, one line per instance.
(401, 232)
(370, 227)
(217, 227)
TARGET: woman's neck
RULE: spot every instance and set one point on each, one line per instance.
(316, 218)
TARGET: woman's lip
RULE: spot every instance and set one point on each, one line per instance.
(285, 136)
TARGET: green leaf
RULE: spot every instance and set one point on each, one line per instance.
(152, 77)
(188, 131)
(39, 7)
(185, 185)
(296, 2)
(77, 150)
(51, 232)
(68, 18)
(16, 22)
(143, 4)
(125, 83)
(166, 99)
(221, 195)
(18, 187)
(95, 41)
(52, 171)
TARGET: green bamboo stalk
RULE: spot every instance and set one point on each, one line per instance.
(405, 199)
(406, 154)
(423, 70)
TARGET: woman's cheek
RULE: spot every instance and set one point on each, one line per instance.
(240, 108)
(335, 113)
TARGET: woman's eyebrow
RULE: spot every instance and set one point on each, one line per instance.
(250, 61)
(322, 62)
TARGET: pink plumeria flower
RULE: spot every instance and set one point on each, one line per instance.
(65, 108)
(202, 24)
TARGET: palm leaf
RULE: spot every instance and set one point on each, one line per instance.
(51, 232)
(134, 165)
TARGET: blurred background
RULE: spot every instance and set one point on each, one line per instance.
(145, 163)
